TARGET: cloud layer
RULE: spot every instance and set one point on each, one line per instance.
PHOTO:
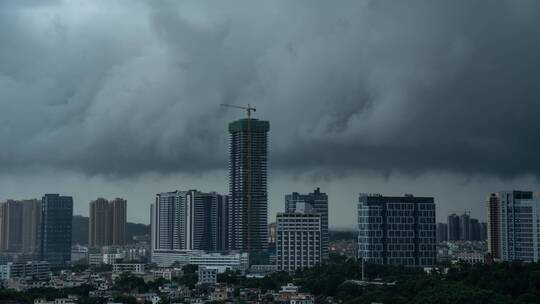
(129, 87)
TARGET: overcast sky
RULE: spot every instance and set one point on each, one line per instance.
(120, 98)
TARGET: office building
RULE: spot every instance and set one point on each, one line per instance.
(189, 220)
(299, 238)
(248, 208)
(396, 230)
(453, 227)
(107, 222)
(55, 229)
(513, 226)
(319, 202)
(442, 232)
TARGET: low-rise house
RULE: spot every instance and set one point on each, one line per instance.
(167, 273)
(129, 267)
(219, 294)
(207, 275)
(56, 301)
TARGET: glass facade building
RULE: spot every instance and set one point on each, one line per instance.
(397, 230)
(55, 229)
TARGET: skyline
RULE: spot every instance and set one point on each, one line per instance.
(121, 99)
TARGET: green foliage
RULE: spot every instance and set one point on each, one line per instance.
(271, 282)
(48, 293)
(79, 268)
(190, 276)
(8, 294)
(127, 282)
(517, 283)
(125, 299)
(229, 277)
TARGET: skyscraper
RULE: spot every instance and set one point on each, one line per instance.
(55, 229)
(3, 228)
(165, 222)
(248, 209)
(118, 210)
(107, 222)
(188, 220)
(19, 222)
(319, 202)
(222, 222)
(442, 232)
(11, 231)
(453, 227)
(513, 226)
(494, 225)
(464, 227)
(98, 222)
(483, 231)
(30, 225)
(396, 230)
(474, 230)
(298, 244)
(201, 220)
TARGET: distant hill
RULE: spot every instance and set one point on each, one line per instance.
(80, 230)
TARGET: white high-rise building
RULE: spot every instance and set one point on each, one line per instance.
(514, 226)
(319, 202)
(299, 238)
(188, 220)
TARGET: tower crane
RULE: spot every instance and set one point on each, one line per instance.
(248, 109)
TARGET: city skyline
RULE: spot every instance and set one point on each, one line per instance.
(365, 96)
(307, 151)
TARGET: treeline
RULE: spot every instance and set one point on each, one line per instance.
(516, 283)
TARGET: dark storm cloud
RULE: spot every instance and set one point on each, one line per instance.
(127, 87)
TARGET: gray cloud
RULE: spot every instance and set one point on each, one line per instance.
(129, 87)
